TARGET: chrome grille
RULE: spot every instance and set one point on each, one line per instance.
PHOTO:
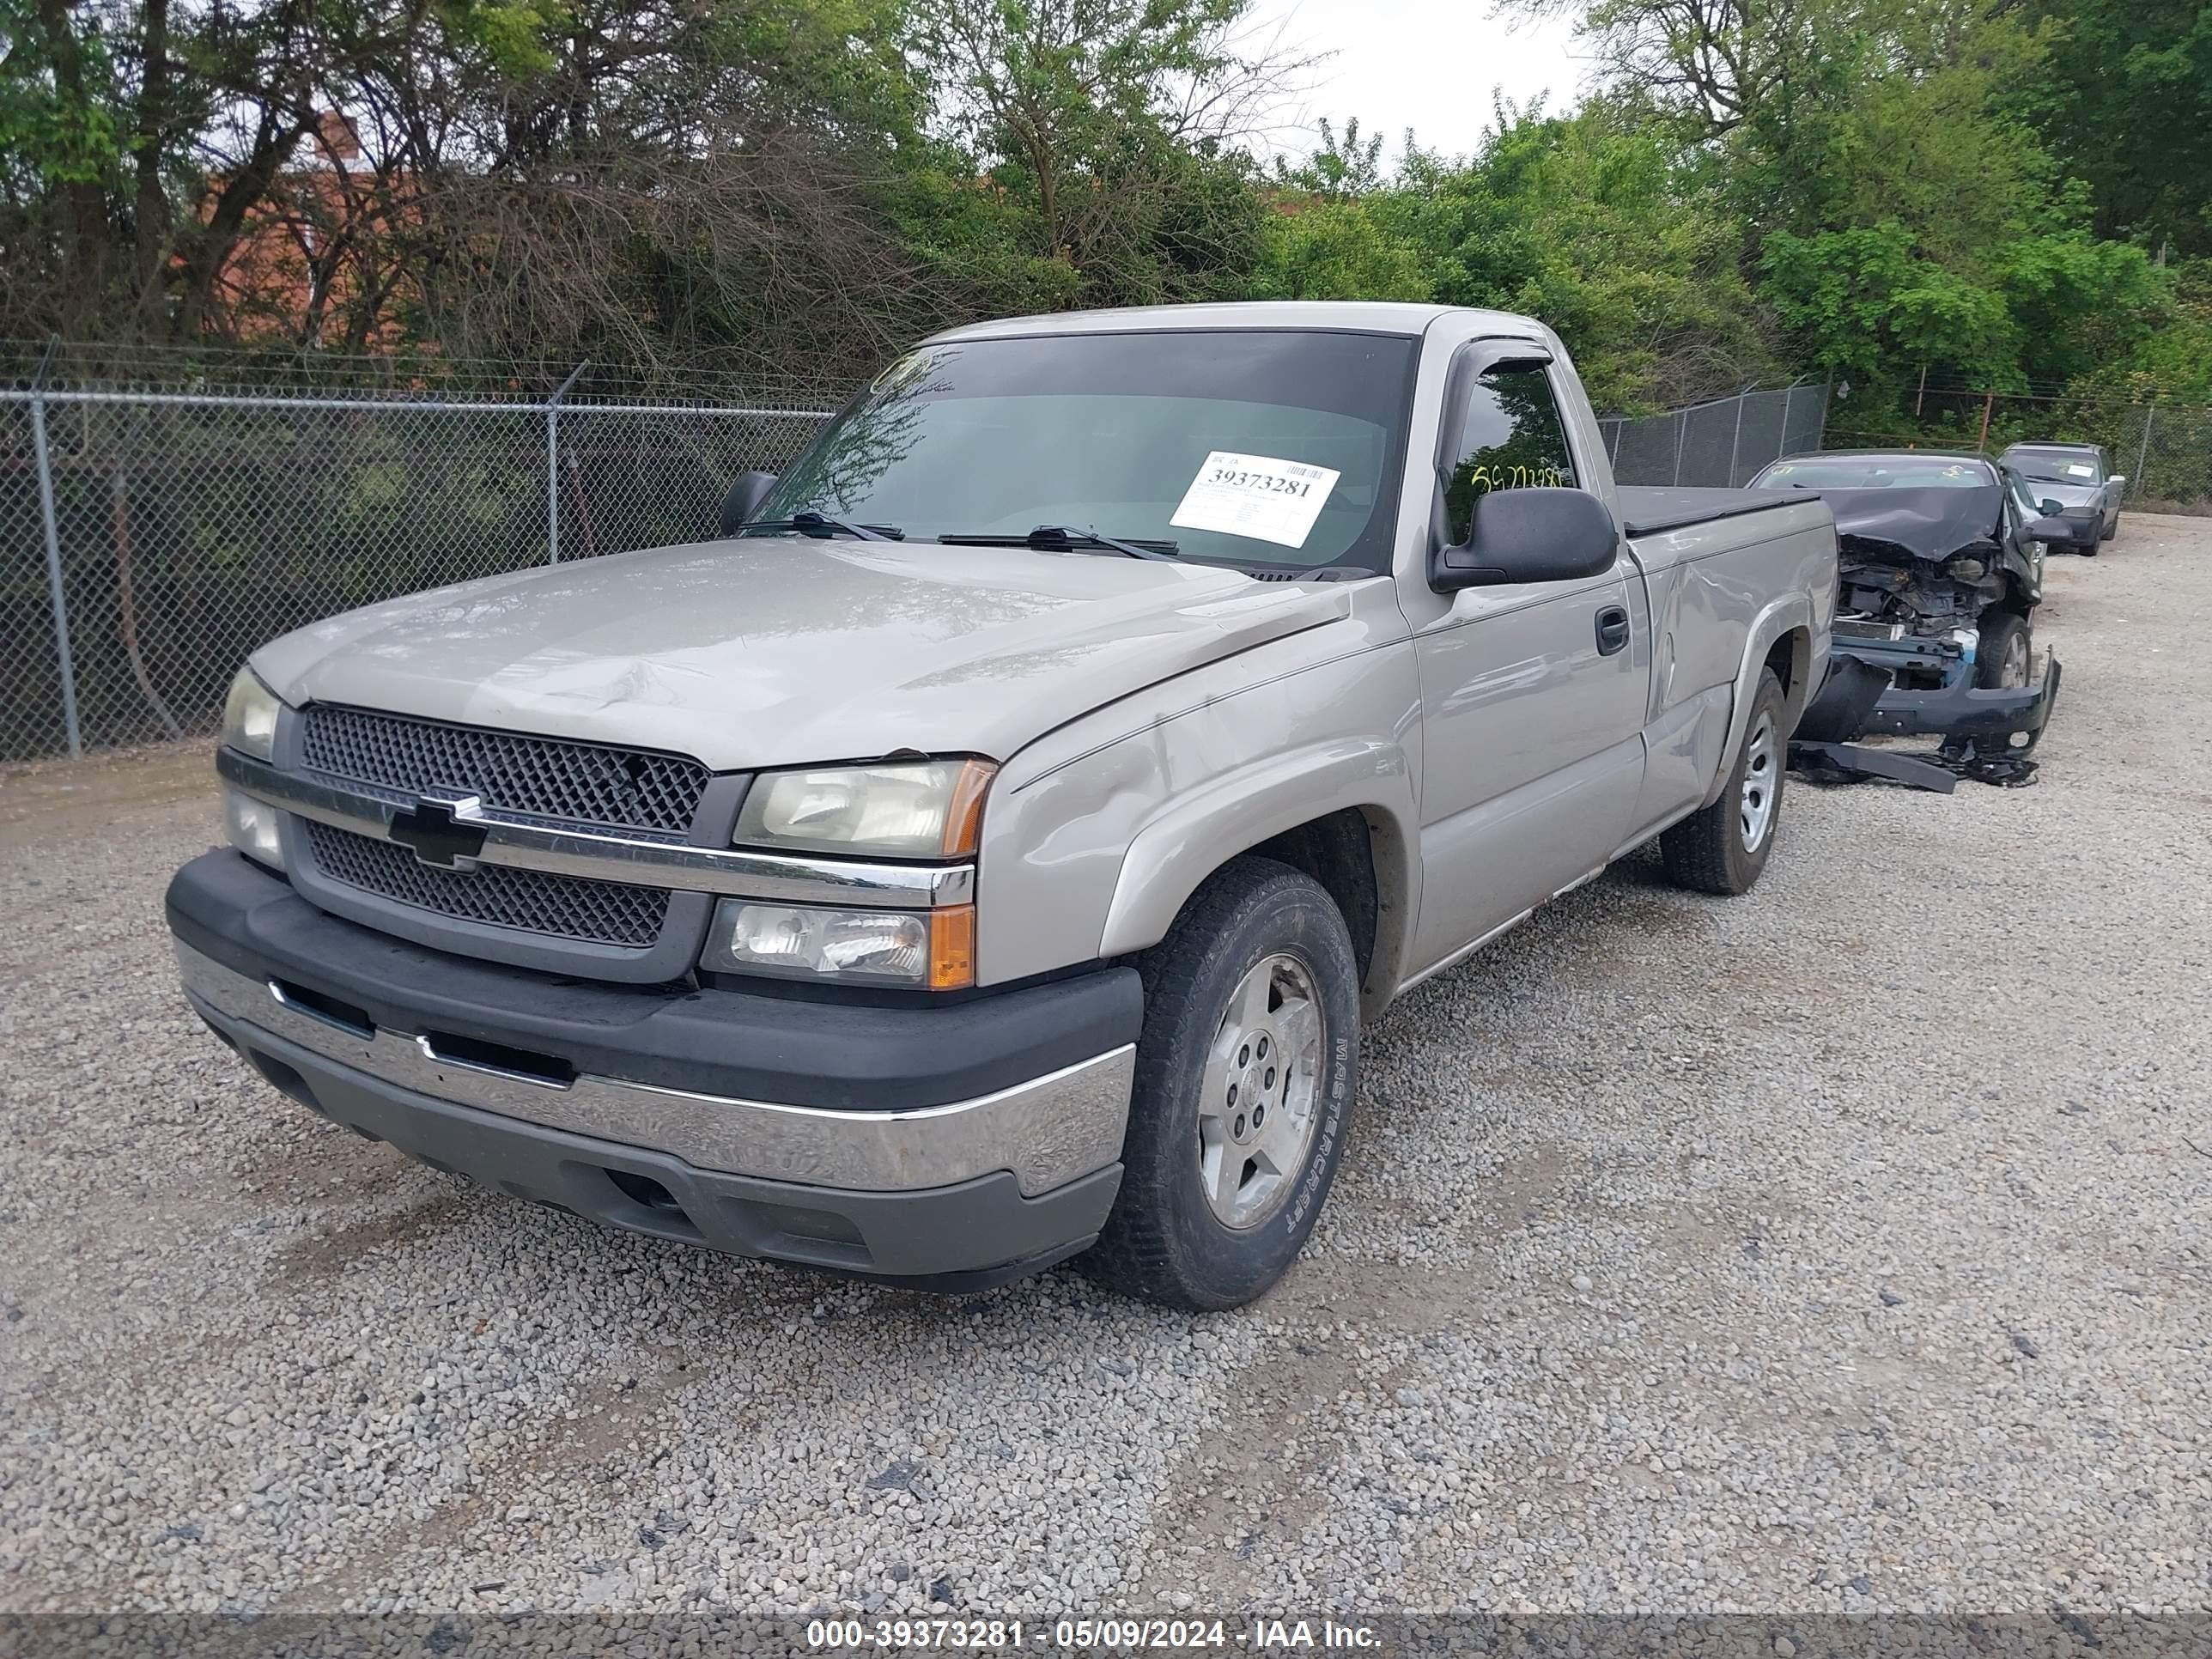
(550, 777)
(566, 907)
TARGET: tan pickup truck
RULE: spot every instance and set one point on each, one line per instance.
(985, 853)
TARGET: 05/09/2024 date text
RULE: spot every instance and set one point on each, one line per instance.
(1013, 1635)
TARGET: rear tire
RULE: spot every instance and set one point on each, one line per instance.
(1229, 1155)
(1723, 848)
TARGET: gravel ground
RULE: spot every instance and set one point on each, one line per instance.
(1844, 1247)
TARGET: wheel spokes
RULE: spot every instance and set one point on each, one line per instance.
(1299, 1022)
(1254, 997)
(1221, 1172)
(1255, 1099)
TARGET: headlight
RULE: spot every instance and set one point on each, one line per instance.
(923, 950)
(249, 717)
(252, 826)
(918, 809)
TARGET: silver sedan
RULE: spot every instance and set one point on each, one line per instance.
(2074, 483)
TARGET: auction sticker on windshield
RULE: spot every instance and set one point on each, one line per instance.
(1256, 496)
(2082, 471)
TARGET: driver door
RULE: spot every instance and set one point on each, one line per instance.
(1533, 694)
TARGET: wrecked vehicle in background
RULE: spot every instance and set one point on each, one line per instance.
(1941, 558)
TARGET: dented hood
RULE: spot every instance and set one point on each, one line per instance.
(1922, 523)
(782, 651)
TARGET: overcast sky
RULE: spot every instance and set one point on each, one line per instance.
(1427, 63)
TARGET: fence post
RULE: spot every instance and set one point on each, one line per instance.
(1736, 444)
(1681, 432)
(44, 461)
(553, 467)
(1788, 405)
(2143, 453)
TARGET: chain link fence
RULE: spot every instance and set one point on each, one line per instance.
(2163, 449)
(1721, 443)
(152, 535)
(159, 519)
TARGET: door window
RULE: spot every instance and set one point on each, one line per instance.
(1513, 437)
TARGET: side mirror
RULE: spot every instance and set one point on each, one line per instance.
(2116, 479)
(742, 504)
(1535, 534)
(2049, 530)
(2052, 508)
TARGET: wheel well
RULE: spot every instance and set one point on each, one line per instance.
(1781, 658)
(1338, 852)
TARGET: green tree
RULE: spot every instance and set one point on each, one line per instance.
(1108, 128)
(2125, 101)
(1343, 166)
(1316, 249)
(1605, 225)
(1903, 212)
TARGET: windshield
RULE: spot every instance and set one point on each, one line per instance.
(1247, 446)
(2067, 467)
(1875, 472)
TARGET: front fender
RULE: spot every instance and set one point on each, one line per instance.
(1194, 834)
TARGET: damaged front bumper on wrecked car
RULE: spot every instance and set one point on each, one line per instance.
(1930, 692)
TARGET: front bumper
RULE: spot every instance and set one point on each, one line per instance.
(2087, 524)
(2011, 720)
(949, 1147)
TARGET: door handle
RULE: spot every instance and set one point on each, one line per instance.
(1612, 629)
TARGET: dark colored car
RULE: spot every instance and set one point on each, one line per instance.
(1941, 560)
(2072, 483)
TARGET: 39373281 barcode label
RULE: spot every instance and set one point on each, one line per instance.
(1256, 496)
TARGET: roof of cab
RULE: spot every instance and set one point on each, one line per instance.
(1362, 316)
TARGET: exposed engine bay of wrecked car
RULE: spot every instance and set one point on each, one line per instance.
(1938, 586)
(1923, 563)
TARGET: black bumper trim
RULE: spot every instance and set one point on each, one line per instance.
(836, 1056)
(1969, 713)
(1962, 710)
(964, 1237)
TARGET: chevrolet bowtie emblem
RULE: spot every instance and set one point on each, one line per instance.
(439, 832)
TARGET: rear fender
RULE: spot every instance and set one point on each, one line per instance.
(1792, 612)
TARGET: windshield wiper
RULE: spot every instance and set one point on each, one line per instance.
(1058, 538)
(808, 522)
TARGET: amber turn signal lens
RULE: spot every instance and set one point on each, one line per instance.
(963, 813)
(952, 948)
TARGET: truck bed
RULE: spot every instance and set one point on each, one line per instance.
(1650, 509)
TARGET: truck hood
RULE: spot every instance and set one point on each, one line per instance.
(781, 652)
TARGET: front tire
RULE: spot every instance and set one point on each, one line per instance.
(1245, 1078)
(1722, 848)
(2001, 659)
